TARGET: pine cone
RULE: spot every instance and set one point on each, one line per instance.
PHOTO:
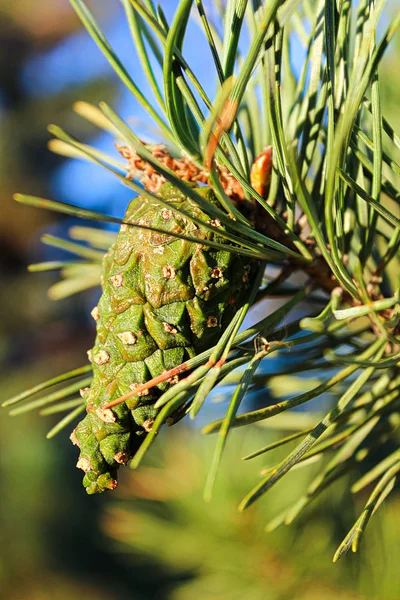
(164, 300)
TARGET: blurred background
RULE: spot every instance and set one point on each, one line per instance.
(154, 537)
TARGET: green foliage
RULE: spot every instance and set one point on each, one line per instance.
(158, 514)
(331, 212)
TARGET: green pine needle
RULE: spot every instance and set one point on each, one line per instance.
(328, 222)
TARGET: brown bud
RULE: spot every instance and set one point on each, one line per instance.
(217, 273)
(166, 214)
(168, 272)
(148, 425)
(84, 464)
(106, 415)
(117, 280)
(127, 337)
(95, 313)
(169, 328)
(101, 357)
(121, 458)
(212, 322)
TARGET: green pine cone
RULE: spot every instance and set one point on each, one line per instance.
(164, 300)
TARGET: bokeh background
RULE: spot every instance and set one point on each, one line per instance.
(154, 537)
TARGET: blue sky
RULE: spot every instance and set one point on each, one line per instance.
(77, 60)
